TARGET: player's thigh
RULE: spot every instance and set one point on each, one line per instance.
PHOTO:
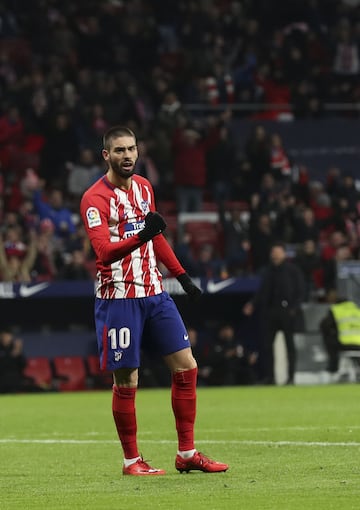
(166, 331)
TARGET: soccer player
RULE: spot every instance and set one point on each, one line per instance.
(131, 308)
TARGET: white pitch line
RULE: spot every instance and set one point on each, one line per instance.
(165, 441)
(348, 428)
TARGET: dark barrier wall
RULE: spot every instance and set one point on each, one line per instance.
(57, 318)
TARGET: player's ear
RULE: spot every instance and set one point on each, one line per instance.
(105, 154)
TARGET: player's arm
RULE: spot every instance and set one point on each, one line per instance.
(165, 254)
(109, 252)
(96, 225)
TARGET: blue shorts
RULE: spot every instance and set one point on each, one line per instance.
(126, 326)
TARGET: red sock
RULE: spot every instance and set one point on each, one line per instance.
(123, 407)
(183, 399)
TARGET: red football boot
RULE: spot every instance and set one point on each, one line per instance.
(199, 462)
(141, 468)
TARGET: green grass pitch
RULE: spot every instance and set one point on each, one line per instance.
(289, 448)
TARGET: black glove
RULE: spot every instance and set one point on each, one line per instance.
(189, 287)
(154, 225)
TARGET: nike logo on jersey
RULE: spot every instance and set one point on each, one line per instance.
(25, 291)
(186, 338)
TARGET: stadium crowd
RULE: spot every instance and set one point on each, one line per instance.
(69, 71)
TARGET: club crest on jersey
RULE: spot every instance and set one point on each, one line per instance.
(145, 206)
(117, 355)
(93, 217)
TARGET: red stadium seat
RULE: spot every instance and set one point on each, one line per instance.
(166, 207)
(70, 372)
(39, 370)
(98, 378)
(209, 206)
(204, 232)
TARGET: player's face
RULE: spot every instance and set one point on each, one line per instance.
(122, 156)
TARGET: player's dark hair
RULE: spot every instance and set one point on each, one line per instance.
(278, 244)
(115, 132)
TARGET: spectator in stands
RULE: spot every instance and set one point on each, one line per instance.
(189, 186)
(330, 265)
(207, 264)
(333, 181)
(348, 196)
(75, 267)
(244, 185)
(335, 240)
(11, 222)
(190, 150)
(221, 162)
(12, 363)
(236, 240)
(17, 257)
(170, 116)
(48, 257)
(270, 193)
(321, 203)
(305, 226)
(228, 361)
(305, 100)
(308, 260)
(261, 237)
(11, 131)
(61, 147)
(346, 60)
(283, 216)
(279, 161)
(52, 207)
(184, 251)
(146, 167)
(82, 174)
(257, 151)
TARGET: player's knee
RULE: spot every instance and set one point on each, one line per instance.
(181, 360)
(126, 377)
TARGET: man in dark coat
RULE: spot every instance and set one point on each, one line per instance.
(279, 297)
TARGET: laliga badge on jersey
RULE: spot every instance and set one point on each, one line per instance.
(93, 217)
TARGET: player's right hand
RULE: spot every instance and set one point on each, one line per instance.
(154, 225)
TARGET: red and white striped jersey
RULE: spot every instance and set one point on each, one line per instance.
(113, 217)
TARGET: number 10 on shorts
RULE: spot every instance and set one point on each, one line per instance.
(119, 339)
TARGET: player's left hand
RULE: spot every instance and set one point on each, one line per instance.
(154, 225)
(189, 287)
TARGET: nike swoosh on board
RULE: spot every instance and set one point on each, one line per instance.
(213, 287)
(26, 291)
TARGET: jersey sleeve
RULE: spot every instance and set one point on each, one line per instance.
(163, 251)
(95, 220)
(166, 255)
